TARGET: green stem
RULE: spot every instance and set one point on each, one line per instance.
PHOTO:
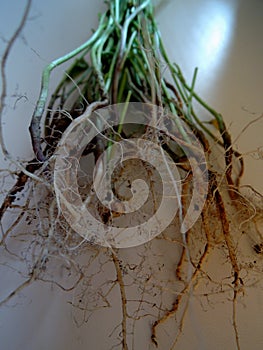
(39, 110)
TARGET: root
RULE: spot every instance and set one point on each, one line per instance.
(19, 186)
(3, 72)
(19, 289)
(237, 282)
(190, 285)
(123, 300)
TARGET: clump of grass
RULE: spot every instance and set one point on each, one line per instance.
(123, 61)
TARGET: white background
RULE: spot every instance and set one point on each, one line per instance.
(223, 38)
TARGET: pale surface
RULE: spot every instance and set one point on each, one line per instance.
(224, 39)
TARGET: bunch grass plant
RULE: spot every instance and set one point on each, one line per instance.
(125, 61)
